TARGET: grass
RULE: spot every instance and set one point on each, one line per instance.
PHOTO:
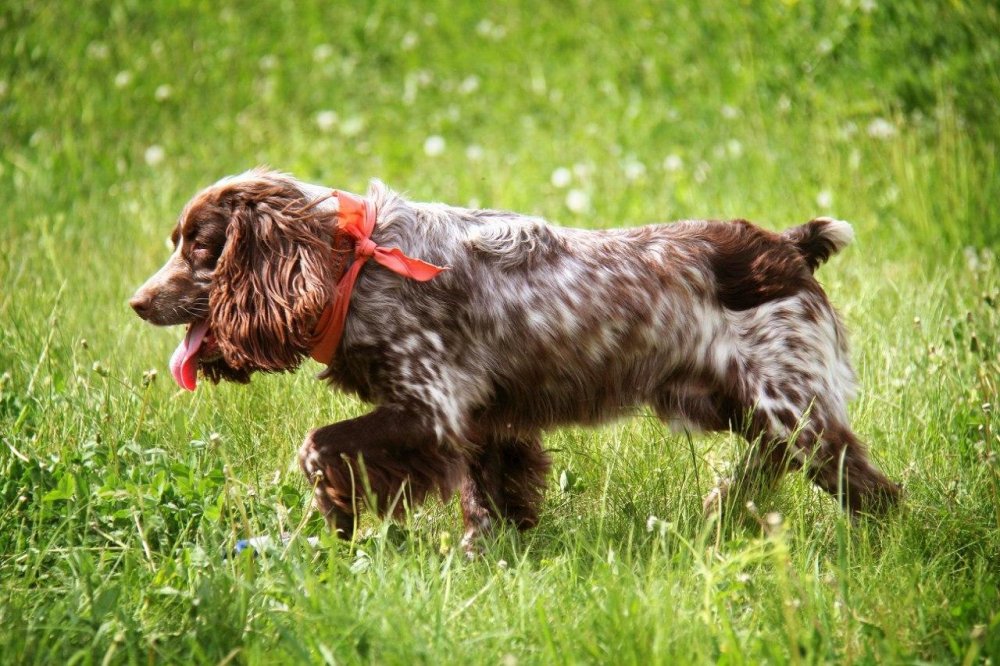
(119, 494)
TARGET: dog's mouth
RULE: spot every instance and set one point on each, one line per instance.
(198, 345)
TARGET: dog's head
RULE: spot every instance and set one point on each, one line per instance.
(253, 267)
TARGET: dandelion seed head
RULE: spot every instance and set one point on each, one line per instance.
(326, 120)
(474, 152)
(701, 172)
(561, 177)
(633, 169)
(322, 52)
(98, 51)
(880, 128)
(352, 126)
(154, 155)
(409, 41)
(434, 145)
(673, 163)
(469, 85)
(578, 201)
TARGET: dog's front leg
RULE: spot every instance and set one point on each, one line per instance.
(504, 480)
(386, 460)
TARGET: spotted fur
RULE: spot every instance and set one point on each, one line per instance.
(717, 324)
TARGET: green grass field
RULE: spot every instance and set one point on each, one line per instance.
(119, 493)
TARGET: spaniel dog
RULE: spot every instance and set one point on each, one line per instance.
(474, 331)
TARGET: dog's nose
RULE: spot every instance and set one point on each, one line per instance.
(141, 303)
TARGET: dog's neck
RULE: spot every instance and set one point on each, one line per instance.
(356, 218)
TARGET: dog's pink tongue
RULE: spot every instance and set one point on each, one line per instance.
(184, 362)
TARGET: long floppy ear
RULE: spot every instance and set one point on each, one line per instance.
(274, 277)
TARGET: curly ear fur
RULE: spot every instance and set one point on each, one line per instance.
(275, 275)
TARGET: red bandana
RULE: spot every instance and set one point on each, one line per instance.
(356, 218)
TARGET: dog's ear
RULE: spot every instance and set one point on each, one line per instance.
(274, 277)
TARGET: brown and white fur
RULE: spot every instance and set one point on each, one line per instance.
(719, 325)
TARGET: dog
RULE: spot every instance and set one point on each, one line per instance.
(492, 327)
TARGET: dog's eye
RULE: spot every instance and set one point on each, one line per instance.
(200, 250)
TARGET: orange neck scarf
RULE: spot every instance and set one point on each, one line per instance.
(356, 218)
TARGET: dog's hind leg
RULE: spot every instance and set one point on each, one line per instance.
(838, 463)
(770, 454)
(384, 460)
(831, 456)
(505, 480)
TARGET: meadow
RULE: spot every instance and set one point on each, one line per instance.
(121, 497)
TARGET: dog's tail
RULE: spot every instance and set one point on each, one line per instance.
(819, 239)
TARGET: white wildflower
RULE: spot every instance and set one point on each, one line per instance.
(701, 172)
(673, 163)
(867, 6)
(434, 145)
(561, 177)
(322, 52)
(824, 199)
(847, 130)
(326, 120)
(633, 169)
(578, 201)
(784, 104)
(489, 29)
(824, 46)
(154, 155)
(729, 112)
(123, 78)
(474, 152)
(734, 148)
(880, 128)
(98, 51)
(409, 41)
(410, 88)
(163, 93)
(854, 160)
(469, 85)
(352, 126)
(268, 62)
